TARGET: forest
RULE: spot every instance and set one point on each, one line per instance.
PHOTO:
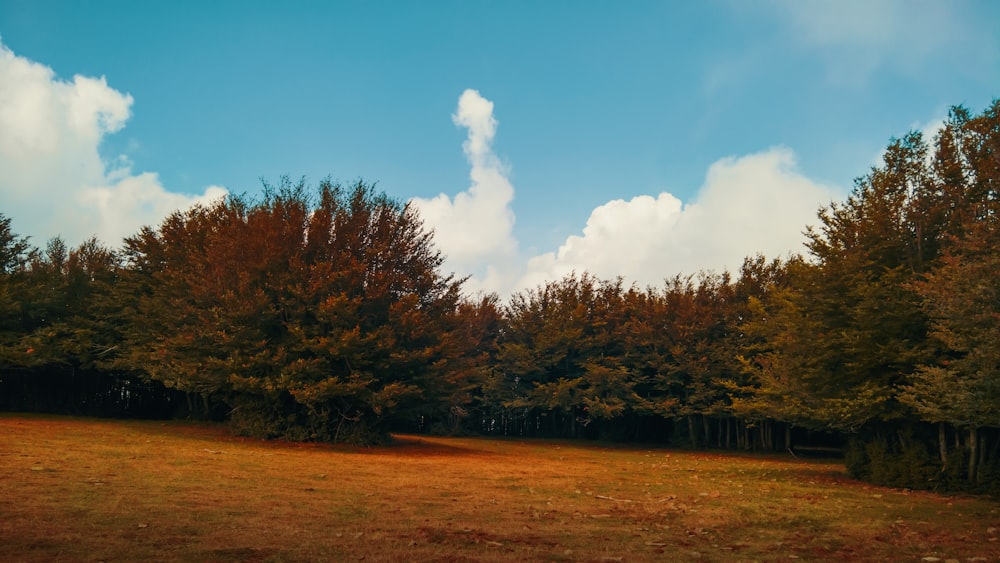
(323, 314)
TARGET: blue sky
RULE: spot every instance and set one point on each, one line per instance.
(640, 139)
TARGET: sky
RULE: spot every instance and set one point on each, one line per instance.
(641, 139)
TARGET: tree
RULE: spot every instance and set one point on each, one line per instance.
(15, 254)
(67, 338)
(319, 318)
(699, 358)
(74, 306)
(961, 387)
(889, 326)
(547, 338)
(752, 398)
(564, 356)
(848, 328)
(470, 368)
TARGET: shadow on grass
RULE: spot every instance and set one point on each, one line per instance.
(427, 446)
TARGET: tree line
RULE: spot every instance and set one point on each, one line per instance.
(323, 314)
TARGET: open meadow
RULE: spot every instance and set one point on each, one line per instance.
(97, 490)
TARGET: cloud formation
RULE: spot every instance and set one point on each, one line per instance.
(758, 203)
(861, 36)
(475, 228)
(53, 180)
(755, 203)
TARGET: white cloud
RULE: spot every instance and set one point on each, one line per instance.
(119, 205)
(756, 203)
(52, 178)
(860, 36)
(930, 129)
(474, 229)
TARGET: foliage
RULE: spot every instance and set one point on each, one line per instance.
(895, 317)
(313, 318)
(961, 385)
(847, 329)
(15, 253)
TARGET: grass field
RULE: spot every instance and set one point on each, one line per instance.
(96, 490)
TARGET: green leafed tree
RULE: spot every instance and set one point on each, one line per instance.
(961, 387)
(563, 358)
(471, 367)
(889, 324)
(847, 328)
(77, 315)
(15, 255)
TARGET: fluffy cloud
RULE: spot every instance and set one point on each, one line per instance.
(53, 180)
(756, 203)
(474, 229)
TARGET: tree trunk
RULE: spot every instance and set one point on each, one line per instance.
(943, 445)
(973, 453)
(705, 423)
(729, 433)
(788, 437)
(996, 451)
(982, 446)
(691, 432)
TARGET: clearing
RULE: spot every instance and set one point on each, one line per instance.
(76, 489)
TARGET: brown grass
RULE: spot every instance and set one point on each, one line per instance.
(94, 490)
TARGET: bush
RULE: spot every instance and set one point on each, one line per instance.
(258, 418)
(284, 418)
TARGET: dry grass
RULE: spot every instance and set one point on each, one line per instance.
(91, 490)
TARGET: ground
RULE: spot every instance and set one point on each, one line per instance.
(96, 490)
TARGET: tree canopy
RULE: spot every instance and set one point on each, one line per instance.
(317, 316)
